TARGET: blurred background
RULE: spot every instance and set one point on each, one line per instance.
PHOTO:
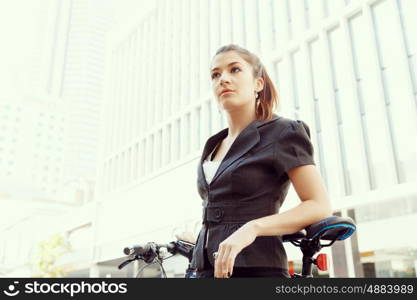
(105, 106)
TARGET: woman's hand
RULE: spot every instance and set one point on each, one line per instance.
(187, 236)
(230, 248)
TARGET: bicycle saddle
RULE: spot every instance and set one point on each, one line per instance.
(332, 228)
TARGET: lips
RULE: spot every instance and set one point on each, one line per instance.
(225, 91)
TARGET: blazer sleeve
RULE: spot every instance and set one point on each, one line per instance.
(294, 147)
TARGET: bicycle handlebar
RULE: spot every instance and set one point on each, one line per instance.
(309, 240)
(141, 249)
(151, 250)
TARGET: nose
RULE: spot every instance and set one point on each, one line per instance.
(224, 77)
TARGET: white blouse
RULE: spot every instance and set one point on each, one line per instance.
(210, 168)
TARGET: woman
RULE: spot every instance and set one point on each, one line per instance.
(245, 172)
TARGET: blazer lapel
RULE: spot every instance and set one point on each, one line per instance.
(210, 144)
(245, 141)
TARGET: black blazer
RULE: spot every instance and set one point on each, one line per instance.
(251, 182)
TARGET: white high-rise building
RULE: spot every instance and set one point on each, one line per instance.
(74, 75)
(31, 149)
(49, 117)
(59, 97)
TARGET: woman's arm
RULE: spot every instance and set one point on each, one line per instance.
(314, 206)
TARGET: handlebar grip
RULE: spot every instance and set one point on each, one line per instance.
(137, 249)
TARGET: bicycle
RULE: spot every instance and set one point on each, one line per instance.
(308, 240)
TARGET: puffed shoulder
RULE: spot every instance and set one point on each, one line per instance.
(294, 147)
(295, 126)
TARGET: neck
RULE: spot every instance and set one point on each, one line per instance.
(238, 121)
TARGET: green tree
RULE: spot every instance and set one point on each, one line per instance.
(46, 255)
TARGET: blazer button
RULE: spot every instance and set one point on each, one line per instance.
(219, 214)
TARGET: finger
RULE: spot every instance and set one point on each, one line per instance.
(225, 263)
(231, 262)
(218, 263)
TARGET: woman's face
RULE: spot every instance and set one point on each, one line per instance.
(230, 71)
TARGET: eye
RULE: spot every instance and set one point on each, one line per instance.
(215, 73)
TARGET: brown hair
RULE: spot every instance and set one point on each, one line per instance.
(268, 97)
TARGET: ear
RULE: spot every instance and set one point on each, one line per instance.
(259, 84)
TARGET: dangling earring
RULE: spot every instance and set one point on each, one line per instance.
(256, 100)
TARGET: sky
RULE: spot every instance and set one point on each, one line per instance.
(16, 30)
